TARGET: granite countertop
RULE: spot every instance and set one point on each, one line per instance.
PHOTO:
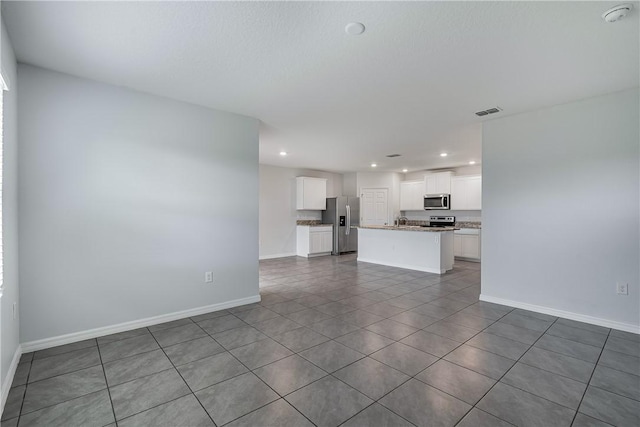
(458, 225)
(312, 223)
(412, 226)
(408, 228)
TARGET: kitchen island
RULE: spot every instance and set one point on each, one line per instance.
(411, 247)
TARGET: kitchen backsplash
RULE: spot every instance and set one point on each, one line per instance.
(461, 216)
(306, 215)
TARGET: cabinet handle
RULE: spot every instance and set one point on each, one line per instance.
(348, 220)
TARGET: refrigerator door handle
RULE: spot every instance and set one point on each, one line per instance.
(348, 220)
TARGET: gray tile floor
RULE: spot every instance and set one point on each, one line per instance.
(336, 342)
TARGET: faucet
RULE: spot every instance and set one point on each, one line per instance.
(402, 218)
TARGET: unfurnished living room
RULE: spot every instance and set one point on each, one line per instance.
(373, 214)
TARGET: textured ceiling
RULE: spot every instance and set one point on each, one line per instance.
(410, 84)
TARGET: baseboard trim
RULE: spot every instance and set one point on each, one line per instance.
(407, 266)
(462, 258)
(127, 326)
(314, 255)
(627, 327)
(6, 384)
(273, 256)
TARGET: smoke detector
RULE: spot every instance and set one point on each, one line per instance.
(354, 28)
(617, 13)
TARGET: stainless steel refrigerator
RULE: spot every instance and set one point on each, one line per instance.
(344, 214)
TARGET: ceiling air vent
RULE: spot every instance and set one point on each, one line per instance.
(394, 155)
(488, 111)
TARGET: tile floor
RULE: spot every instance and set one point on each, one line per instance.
(336, 342)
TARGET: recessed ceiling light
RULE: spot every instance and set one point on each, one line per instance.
(405, 170)
(443, 154)
(283, 153)
(373, 165)
(354, 28)
(472, 162)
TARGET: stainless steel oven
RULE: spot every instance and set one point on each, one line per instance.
(437, 202)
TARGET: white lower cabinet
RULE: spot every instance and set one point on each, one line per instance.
(314, 240)
(467, 243)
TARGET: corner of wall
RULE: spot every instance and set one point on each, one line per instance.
(10, 327)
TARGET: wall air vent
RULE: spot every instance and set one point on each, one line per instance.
(488, 111)
(394, 155)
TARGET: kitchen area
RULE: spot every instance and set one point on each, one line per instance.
(426, 221)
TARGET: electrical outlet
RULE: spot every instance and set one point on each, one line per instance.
(208, 277)
(622, 288)
(15, 310)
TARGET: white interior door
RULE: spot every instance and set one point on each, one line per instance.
(374, 208)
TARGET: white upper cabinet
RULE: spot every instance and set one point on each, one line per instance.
(466, 193)
(474, 192)
(311, 193)
(412, 195)
(438, 183)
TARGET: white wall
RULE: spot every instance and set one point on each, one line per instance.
(278, 212)
(561, 209)
(125, 200)
(350, 184)
(10, 328)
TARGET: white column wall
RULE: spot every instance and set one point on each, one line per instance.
(560, 210)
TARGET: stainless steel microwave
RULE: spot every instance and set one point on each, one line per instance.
(437, 202)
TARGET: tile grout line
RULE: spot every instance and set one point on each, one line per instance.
(63, 353)
(178, 372)
(414, 376)
(439, 359)
(26, 387)
(595, 366)
(410, 376)
(125, 382)
(613, 392)
(251, 371)
(104, 372)
(61, 374)
(376, 401)
(509, 370)
(575, 357)
(62, 401)
(299, 388)
(331, 374)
